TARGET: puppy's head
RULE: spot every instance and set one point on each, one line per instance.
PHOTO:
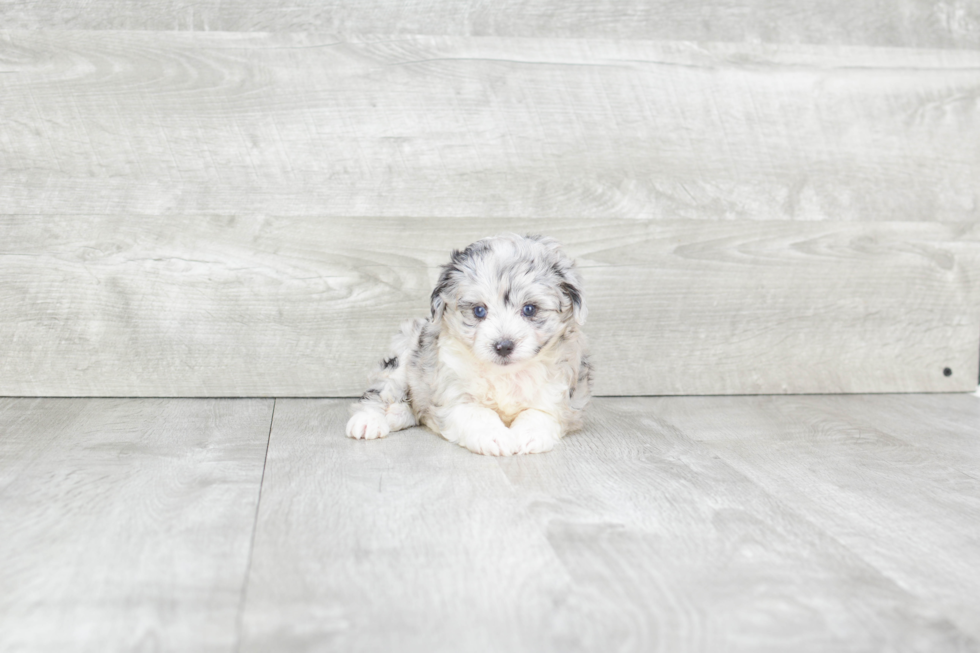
(508, 297)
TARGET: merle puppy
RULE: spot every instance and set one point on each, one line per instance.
(500, 366)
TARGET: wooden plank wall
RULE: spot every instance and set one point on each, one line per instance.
(303, 306)
(236, 124)
(765, 197)
(912, 23)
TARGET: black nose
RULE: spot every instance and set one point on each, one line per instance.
(503, 347)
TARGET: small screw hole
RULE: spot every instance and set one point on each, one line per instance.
(947, 372)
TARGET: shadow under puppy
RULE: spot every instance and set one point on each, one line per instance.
(500, 367)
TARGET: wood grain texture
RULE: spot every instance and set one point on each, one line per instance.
(630, 536)
(253, 124)
(403, 547)
(945, 425)
(915, 23)
(885, 499)
(126, 524)
(110, 305)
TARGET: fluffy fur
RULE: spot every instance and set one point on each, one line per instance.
(500, 366)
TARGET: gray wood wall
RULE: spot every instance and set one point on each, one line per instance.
(911, 23)
(765, 196)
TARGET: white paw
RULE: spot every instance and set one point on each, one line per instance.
(536, 443)
(496, 442)
(367, 425)
(400, 416)
(535, 432)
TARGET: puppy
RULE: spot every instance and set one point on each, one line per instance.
(500, 366)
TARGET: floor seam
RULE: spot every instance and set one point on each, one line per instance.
(251, 545)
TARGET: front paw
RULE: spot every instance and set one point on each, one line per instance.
(496, 442)
(367, 425)
(536, 443)
(535, 432)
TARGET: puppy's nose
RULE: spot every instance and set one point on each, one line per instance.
(503, 347)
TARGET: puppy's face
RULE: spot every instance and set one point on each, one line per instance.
(508, 297)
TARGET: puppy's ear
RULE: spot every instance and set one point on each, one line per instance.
(438, 306)
(571, 287)
(570, 284)
(438, 299)
(437, 302)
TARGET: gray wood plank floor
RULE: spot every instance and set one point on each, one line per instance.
(669, 524)
(126, 525)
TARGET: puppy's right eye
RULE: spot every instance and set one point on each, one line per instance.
(479, 312)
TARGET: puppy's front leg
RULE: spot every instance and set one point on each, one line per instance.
(479, 429)
(535, 431)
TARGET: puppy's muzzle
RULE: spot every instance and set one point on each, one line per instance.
(503, 348)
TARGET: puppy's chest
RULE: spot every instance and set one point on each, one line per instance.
(509, 394)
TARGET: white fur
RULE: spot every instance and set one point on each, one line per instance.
(448, 372)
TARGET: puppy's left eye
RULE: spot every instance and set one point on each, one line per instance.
(529, 310)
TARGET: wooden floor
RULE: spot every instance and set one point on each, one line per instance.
(824, 523)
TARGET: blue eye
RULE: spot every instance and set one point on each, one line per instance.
(529, 310)
(480, 312)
